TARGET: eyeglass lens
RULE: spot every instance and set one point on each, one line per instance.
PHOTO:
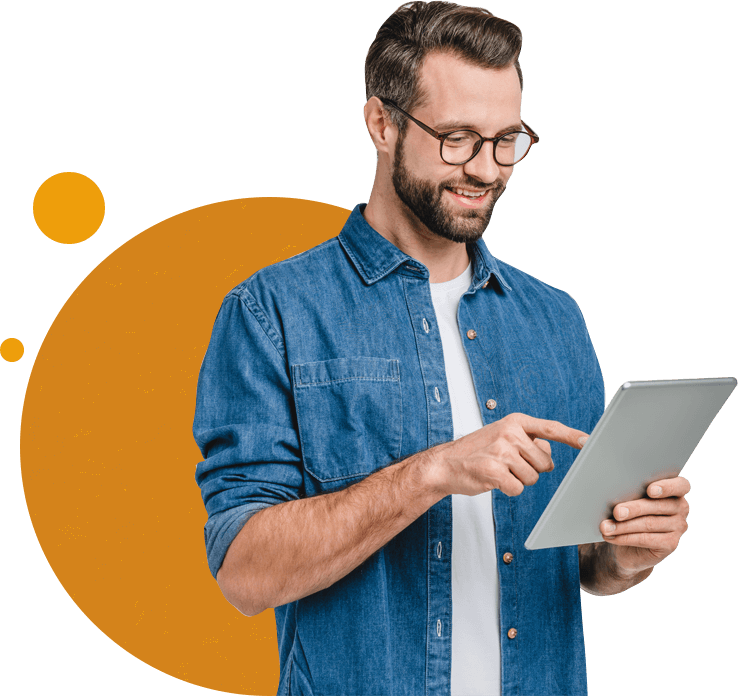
(462, 145)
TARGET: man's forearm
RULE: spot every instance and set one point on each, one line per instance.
(599, 573)
(293, 549)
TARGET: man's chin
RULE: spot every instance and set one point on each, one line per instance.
(461, 233)
(466, 224)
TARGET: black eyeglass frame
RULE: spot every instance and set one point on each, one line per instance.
(442, 137)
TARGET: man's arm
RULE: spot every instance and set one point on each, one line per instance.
(297, 548)
(642, 533)
(294, 549)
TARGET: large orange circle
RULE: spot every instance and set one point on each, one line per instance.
(107, 452)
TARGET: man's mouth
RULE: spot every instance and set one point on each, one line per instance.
(470, 198)
(469, 193)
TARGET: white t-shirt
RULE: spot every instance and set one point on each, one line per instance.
(475, 624)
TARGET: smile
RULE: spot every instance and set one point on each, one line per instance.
(468, 197)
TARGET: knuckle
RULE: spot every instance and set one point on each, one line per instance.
(505, 451)
(518, 488)
(548, 429)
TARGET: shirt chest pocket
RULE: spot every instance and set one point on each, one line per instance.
(349, 413)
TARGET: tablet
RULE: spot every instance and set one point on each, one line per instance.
(647, 433)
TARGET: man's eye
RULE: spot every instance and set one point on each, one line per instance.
(508, 139)
(456, 140)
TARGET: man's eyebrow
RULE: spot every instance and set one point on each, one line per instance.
(447, 126)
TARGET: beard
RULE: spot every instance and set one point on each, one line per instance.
(425, 201)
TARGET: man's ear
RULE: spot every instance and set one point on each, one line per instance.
(382, 131)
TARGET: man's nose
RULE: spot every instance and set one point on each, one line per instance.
(483, 167)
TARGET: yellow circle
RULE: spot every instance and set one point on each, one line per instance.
(69, 208)
(107, 452)
(11, 349)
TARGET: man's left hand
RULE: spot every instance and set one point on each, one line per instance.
(647, 530)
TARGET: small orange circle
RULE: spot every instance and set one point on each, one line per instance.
(11, 349)
(69, 208)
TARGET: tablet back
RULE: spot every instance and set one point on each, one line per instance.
(647, 433)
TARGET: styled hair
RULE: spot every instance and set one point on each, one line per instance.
(415, 29)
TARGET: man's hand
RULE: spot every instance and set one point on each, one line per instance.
(508, 455)
(645, 531)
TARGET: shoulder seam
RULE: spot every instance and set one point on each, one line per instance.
(249, 301)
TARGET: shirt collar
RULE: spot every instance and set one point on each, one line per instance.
(374, 256)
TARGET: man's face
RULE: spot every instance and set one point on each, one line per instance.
(459, 95)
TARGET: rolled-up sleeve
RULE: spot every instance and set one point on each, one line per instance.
(244, 424)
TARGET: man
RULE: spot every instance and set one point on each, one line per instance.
(375, 413)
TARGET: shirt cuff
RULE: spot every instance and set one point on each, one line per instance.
(221, 529)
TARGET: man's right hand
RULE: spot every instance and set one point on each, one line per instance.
(509, 455)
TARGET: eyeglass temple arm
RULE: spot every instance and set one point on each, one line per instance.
(435, 133)
(531, 131)
(427, 129)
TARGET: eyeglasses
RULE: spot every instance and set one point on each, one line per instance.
(460, 146)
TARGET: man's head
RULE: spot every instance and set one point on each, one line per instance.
(449, 67)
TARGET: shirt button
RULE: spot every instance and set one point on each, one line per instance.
(438, 395)
(471, 333)
(485, 284)
(491, 404)
(438, 549)
(512, 633)
(438, 628)
(507, 558)
(425, 325)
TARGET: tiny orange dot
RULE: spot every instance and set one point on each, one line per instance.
(11, 349)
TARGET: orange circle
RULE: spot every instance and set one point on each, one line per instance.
(11, 349)
(68, 208)
(107, 451)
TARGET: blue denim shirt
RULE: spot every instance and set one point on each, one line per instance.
(328, 366)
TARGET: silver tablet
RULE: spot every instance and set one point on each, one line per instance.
(647, 433)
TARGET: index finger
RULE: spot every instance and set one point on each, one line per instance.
(676, 487)
(550, 430)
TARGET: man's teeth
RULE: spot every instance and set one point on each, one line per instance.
(468, 194)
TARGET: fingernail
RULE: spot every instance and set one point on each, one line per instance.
(656, 490)
(623, 512)
(609, 527)
(582, 440)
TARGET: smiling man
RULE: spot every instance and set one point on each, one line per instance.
(380, 415)
(447, 192)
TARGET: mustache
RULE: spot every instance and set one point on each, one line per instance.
(475, 185)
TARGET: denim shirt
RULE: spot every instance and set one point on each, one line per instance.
(328, 366)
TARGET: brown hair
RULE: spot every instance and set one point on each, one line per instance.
(415, 29)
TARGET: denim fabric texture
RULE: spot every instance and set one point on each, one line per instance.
(328, 366)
